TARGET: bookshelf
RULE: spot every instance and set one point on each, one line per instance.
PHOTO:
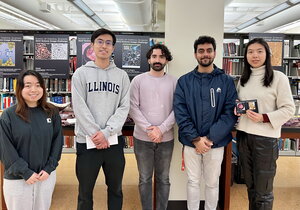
(234, 45)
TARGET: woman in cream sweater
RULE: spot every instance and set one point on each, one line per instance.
(258, 133)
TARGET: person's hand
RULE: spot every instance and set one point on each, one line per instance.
(43, 175)
(235, 113)
(203, 145)
(100, 141)
(33, 179)
(154, 134)
(255, 117)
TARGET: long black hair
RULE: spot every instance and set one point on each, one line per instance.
(269, 74)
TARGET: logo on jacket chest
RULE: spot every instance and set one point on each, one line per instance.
(103, 87)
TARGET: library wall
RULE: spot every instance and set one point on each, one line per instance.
(180, 38)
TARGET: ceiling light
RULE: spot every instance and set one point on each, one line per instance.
(294, 1)
(89, 12)
(83, 7)
(98, 20)
(21, 16)
(248, 23)
(273, 11)
(234, 30)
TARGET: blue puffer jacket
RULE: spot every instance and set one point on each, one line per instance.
(203, 106)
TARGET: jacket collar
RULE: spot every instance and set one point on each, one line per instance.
(214, 73)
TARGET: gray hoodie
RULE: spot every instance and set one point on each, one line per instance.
(100, 99)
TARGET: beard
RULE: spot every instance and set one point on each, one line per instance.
(156, 67)
(205, 63)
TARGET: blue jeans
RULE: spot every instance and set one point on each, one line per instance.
(154, 157)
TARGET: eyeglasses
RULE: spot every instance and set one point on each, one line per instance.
(101, 42)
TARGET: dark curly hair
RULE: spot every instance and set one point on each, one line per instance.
(204, 40)
(165, 51)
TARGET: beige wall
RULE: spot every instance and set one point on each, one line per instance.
(185, 21)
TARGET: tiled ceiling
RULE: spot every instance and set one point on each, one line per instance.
(146, 16)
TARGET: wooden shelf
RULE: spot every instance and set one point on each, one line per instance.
(69, 150)
(287, 152)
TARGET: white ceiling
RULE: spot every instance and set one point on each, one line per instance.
(146, 15)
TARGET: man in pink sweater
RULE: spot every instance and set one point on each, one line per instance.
(151, 108)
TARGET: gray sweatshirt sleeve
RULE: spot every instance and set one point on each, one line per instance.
(84, 117)
(116, 121)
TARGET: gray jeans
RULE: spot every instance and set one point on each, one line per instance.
(152, 157)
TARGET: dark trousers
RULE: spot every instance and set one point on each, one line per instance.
(258, 156)
(88, 164)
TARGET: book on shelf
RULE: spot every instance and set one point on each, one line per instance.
(59, 99)
(128, 141)
(230, 49)
(233, 66)
(8, 84)
(7, 100)
(69, 142)
(58, 85)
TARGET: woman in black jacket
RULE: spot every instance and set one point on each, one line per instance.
(30, 146)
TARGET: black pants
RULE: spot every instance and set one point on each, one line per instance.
(88, 164)
(258, 158)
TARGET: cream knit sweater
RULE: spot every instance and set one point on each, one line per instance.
(276, 101)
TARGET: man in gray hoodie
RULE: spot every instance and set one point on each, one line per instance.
(100, 97)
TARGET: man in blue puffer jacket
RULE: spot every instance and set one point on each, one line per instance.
(204, 101)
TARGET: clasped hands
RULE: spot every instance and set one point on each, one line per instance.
(42, 176)
(202, 144)
(154, 134)
(100, 141)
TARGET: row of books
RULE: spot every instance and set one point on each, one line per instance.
(59, 99)
(69, 142)
(287, 144)
(8, 84)
(52, 85)
(58, 85)
(232, 66)
(128, 141)
(235, 67)
(230, 49)
(7, 100)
